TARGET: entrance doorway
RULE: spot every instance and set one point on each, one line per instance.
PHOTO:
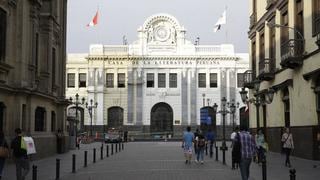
(115, 117)
(161, 118)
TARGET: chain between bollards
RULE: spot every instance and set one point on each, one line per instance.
(292, 174)
(34, 172)
(73, 163)
(57, 169)
(217, 151)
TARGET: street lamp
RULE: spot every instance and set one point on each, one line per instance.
(223, 112)
(76, 103)
(233, 108)
(90, 107)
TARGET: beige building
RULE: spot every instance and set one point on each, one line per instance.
(32, 70)
(284, 56)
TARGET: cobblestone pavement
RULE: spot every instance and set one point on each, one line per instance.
(161, 160)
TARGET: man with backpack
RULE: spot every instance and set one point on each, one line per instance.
(201, 144)
(20, 155)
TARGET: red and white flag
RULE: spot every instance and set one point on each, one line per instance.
(94, 21)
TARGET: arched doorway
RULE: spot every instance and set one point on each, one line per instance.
(161, 118)
(207, 119)
(115, 117)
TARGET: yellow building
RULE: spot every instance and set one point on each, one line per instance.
(284, 41)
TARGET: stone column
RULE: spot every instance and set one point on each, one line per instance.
(99, 96)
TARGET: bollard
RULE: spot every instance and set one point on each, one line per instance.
(292, 174)
(111, 149)
(34, 172)
(57, 169)
(94, 155)
(119, 146)
(122, 146)
(73, 163)
(116, 147)
(107, 150)
(85, 158)
(264, 168)
(217, 153)
(101, 152)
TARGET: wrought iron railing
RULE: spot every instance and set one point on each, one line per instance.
(266, 66)
(270, 3)
(292, 49)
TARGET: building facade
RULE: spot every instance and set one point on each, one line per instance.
(32, 70)
(158, 83)
(284, 56)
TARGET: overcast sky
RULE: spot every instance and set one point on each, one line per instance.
(123, 17)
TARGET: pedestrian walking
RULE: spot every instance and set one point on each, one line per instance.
(235, 157)
(188, 139)
(260, 142)
(20, 155)
(245, 143)
(287, 145)
(196, 134)
(201, 144)
(4, 152)
(210, 140)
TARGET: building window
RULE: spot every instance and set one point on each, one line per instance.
(150, 80)
(286, 105)
(253, 57)
(3, 31)
(121, 80)
(53, 121)
(71, 80)
(53, 68)
(82, 80)
(316, 17)
(40, 115)
(213, 80)
(202, 80)
(284, 22)
(36, 54)
(2, 115)
(173, 80)
(161, 80)
(299, 18)
(110, 79)
(272, 45)
(23, 117)
(261, 49)
(240, 80)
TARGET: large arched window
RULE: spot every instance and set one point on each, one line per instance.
(40, 118)
(3, 30)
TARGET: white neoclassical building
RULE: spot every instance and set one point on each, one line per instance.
(158, 83)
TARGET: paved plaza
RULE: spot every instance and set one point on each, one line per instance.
(159, 160)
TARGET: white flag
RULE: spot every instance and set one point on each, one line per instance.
(222, 20)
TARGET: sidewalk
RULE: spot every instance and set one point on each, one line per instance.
(163, 161)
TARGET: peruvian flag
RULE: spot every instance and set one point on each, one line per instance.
(94, 21)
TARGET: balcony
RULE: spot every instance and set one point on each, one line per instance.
(253, 19)
(248, 79)
(292, 53)
(266, 69)
(270, 3)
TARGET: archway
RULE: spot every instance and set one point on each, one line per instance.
(161, 118)
(115, 117)
(72, 113)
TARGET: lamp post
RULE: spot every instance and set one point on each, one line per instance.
(223, 112)
(257, 101)
(233, 108)
(76, 103)
(90, 107)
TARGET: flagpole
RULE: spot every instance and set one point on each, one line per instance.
(226, 25)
